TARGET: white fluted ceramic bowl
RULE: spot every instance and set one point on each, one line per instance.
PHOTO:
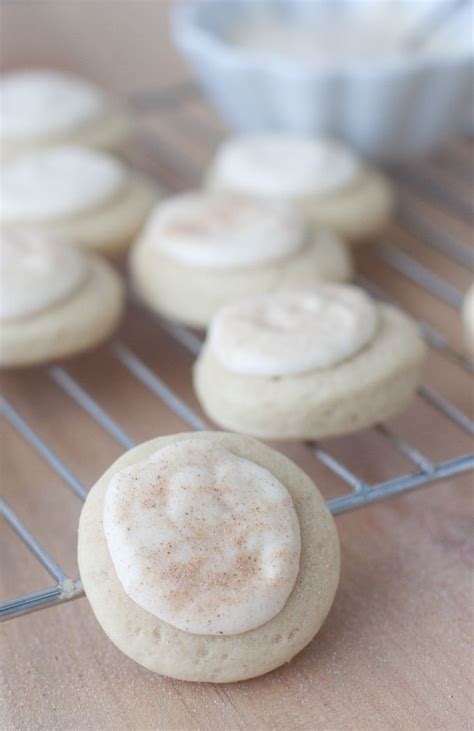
(387, 110)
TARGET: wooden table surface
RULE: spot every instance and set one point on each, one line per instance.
(395, 651)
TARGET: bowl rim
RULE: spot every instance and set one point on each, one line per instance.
(190, 36)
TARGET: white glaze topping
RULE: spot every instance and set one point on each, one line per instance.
(203, 539)
(58, 182)
(293, 331)
(41, 103)
(224, 230)
(36, 273)
(283, 165)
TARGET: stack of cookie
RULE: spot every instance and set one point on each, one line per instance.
(65, 202)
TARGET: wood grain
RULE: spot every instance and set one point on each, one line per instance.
(395, 652)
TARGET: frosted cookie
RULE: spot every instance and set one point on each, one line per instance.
(468, 319)
(208, 556)
(55, 301)
(306, 364)
(42, 108)
(331, 185)
(200, 251)
(83, 196)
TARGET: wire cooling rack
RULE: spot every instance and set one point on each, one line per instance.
(174, 150)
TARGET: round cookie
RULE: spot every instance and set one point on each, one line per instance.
(468, 319)
(329, 183)
(162, 647)
(200, 251)
(43, 108)
(308, 364)
(54, 300)
(86, 197)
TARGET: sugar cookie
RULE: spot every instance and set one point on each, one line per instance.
(80, 195)
(306, 364)
(208, 556)
(55, 301)
(200, 251)
(331, 185)
(43, 108)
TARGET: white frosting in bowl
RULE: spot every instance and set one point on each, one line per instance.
(36, 273)
(293, 331)
(43, 103)
(58, 182)
(284, 165)
(204, 540)
(329, 34)
(224, 230)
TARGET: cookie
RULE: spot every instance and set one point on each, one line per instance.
(86, 197)
(330, 184)
(468, 319)
(208, 556)
(43, 108)
(200, 251)
(55, 301)
(307, 364)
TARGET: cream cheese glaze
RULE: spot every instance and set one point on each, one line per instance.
(36, 274)
(42, 103)
(203, 539)
(224, 230)
(293, 331)
(282, 165)
(58, 182)
(350, 34)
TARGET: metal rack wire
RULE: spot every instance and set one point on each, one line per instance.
(359, 492)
